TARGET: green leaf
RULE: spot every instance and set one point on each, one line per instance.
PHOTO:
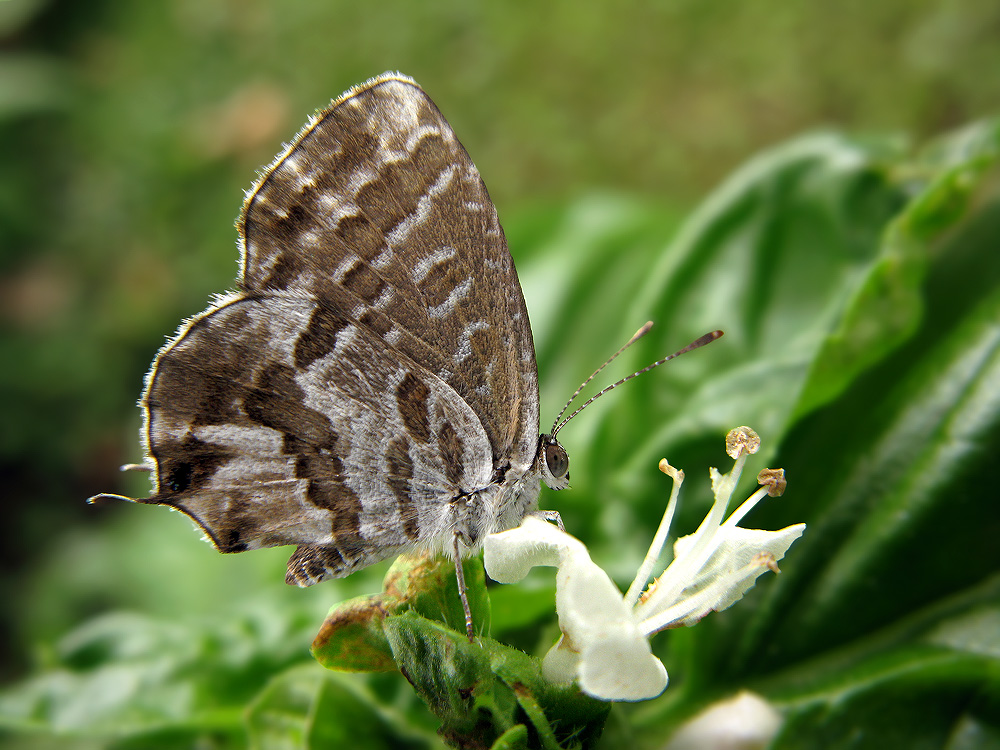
(453, 677)
(903, 509)
(482, 691)
(352, 638)
(515, 738)
(880, 630)
(129, 676)
(915, 700)
(306, 707)
(888, 305)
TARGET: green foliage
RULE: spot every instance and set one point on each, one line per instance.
(307, 708)
(859, 287)
(353, 636)
(481, 692)
(153, 683)
(888, 445)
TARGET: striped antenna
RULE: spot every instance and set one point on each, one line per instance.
(696, 344)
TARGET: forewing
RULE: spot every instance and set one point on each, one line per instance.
(377, 198)
(278, 420)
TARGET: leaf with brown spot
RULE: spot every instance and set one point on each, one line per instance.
(352, 637)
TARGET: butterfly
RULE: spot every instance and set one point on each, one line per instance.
(370, 386)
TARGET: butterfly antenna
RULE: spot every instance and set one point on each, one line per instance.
(696, 344)
(635, 337)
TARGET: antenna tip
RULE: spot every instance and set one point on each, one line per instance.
(708, 338)
(639, 334)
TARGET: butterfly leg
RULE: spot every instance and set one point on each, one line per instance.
(462, 588)
(550, 516)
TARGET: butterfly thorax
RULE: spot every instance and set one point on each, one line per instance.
(504, 503)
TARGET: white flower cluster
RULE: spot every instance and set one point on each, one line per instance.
(604, 642)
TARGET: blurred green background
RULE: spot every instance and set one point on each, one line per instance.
(131, 129)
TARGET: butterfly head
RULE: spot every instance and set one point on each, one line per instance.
(553, 462)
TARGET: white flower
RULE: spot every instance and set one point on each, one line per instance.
(605, 642)
(743, 722)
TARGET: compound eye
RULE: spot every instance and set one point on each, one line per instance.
(556, 460)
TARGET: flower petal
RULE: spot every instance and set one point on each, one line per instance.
(587, 601)
(561, 662)
(740, 557)
(737, 548)
(602, 645)
(619, 666)
(509, 555)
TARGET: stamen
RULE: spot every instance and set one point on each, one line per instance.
(742, 440)
(775, 481)
(705, 539)
(659, 539)
(745, 507)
